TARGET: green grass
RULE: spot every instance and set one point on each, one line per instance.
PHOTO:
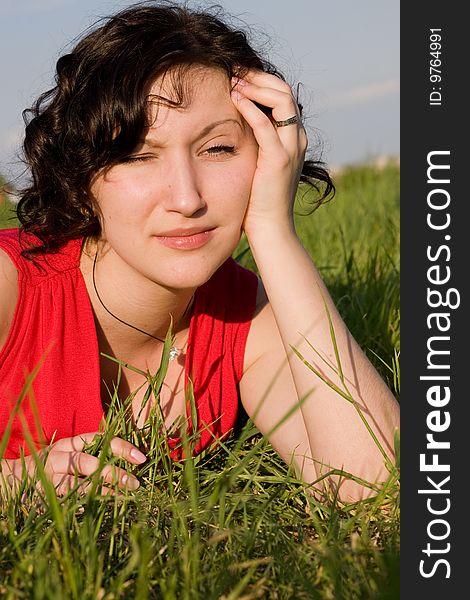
(235, 523)
(7, 211)
(7, 214)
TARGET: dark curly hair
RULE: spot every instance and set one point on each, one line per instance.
(98, 109)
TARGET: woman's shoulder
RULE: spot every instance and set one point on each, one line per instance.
(8, 269)
(18, 273)
(8, 294)
(14, 242)
(9, 240)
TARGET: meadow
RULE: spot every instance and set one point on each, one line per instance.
(234, 523)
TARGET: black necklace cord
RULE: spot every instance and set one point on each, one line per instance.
(125, 322)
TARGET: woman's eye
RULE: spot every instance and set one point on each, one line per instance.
(221, 150)
(135, 158)
(213, 150)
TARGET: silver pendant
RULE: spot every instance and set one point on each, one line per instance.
(174, 352)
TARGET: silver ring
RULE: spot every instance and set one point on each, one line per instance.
(289, 121)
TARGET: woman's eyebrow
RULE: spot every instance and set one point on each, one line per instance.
(212, 126)
(148, 141)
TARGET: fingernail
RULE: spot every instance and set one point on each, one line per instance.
(237, 95)
(138, 456)
(134, 483)
(239, 82)
(131, 482)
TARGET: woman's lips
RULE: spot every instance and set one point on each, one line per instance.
(186, 242)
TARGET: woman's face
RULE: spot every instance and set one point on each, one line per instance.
(173, 210)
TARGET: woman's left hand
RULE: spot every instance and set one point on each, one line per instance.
(281, 149)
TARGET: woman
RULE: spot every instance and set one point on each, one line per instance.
(165, 137)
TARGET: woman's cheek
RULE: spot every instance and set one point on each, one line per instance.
(243, 178)
(241, 192)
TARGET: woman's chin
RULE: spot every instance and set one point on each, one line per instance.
(191, 269)
(189, 276)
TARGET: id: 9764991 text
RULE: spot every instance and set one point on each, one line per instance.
(435, 71)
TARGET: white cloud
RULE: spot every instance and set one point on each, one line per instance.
(364, 93)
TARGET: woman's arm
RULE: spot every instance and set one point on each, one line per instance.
(330, 430)
(299, 304)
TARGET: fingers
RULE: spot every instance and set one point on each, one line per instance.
(112, 474)
(266, 79)
(63, 484)
(76, 443)
(119, 447)
(261, 125)
(270, 91)
(269, 141)
(80, 464)
(127, 451)
(278, 98)
(68, 467)
(66, 459)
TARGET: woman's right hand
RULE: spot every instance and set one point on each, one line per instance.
(66, 465)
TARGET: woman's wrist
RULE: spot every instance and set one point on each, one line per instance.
(269, 230)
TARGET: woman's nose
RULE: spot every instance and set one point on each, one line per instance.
(183, 192)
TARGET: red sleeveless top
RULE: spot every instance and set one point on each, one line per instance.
(53, 330)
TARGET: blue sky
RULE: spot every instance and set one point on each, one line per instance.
(345, 53)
